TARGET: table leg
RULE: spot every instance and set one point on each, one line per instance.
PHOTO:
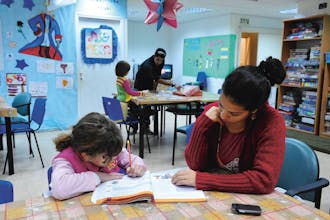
(142, 131)
(155, 120)
(9, 146)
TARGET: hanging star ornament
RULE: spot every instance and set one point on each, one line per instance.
(28, 4)
(7, 2)
(161, 11)
(21, 64)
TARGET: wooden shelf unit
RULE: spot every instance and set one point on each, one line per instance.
(299, 90)
(325, 104)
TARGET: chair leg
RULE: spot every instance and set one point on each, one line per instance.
(35, 138)
(148, 143)
(4, 168)
(28, 135)
(174, 139)
(1, 142)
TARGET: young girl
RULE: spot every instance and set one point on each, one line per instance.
(91, 154)
(125, 91)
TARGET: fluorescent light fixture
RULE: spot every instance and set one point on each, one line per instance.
(289, 11)
(195, 10)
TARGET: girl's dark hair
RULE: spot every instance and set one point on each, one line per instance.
(93, 134)
(249, 86)
(122, 68)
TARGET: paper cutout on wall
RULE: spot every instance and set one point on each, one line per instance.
(64, 82)
(48, 38)
(45, 66)
(64, 68)
(21, 64)
(38, 89)
(16, 83)
(19, 28)
(28, 4)
(7, 2)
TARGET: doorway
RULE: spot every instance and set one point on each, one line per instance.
(97, 80)
(248, 48)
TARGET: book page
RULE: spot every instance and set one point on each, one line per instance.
(127, 189)
(165, 191)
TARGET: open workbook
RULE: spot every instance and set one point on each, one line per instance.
(155, 187)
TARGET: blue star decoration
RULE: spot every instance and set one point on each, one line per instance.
(7, 2)
(21, 64)
(28, 4)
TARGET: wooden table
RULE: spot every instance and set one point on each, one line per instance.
(165, 98)
(274, 206)
(8, 112)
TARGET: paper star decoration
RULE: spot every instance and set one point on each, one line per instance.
(7, 2)
(21, 64)
(28, 4)
(161, 11)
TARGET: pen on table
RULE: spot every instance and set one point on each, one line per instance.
(129, 153)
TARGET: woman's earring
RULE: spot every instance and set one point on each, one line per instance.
(253, 116)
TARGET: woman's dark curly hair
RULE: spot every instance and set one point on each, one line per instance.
(250, 86)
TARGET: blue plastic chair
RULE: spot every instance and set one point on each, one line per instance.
(300, 172)
(6, 191)
(22, 103)
(202, 80)
(113, 110)
(37, 118)
(186, 129)
(49, 176)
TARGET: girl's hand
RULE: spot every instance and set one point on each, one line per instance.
(185, 178)
(214, 114)
(109, 176)
(136, 170)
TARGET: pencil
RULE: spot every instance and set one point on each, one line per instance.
(129, 153)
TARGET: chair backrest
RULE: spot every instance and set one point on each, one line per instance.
(189, 131)
(202, 78)
(112, 109)
(6, 191)
(39, 110)
(300, 167)
(22, 102)
(49, 176)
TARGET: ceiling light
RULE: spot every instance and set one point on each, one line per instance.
(290, 11)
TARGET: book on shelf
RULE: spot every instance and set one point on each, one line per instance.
(156, 187)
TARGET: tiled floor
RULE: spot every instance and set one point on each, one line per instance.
(30, 179)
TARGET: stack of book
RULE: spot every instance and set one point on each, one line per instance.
(306, 111)
(288, 107)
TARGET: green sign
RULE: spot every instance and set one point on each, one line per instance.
(213, 55)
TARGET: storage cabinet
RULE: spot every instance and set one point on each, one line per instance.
(325, 104)
(305, 41)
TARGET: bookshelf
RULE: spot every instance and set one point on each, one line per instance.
(305, 40)
(325, 105)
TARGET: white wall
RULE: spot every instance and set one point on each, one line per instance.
(143, 39)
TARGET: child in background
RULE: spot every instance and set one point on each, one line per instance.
(125, 91)
(91, 154)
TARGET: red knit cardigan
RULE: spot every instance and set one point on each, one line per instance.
(260, 161)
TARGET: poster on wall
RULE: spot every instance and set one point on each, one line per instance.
(98, 45)
(214, 55)
(16, 83)
(1, 50)
(38, 89)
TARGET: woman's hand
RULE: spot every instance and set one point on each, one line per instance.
(214, 114)
(185, 178)
(109, 176)
(136, 170)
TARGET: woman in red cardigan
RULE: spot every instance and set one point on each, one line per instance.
(238, 143)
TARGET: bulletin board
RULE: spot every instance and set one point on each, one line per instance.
(214, 55)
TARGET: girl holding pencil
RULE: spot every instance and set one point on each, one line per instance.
(91, 154)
